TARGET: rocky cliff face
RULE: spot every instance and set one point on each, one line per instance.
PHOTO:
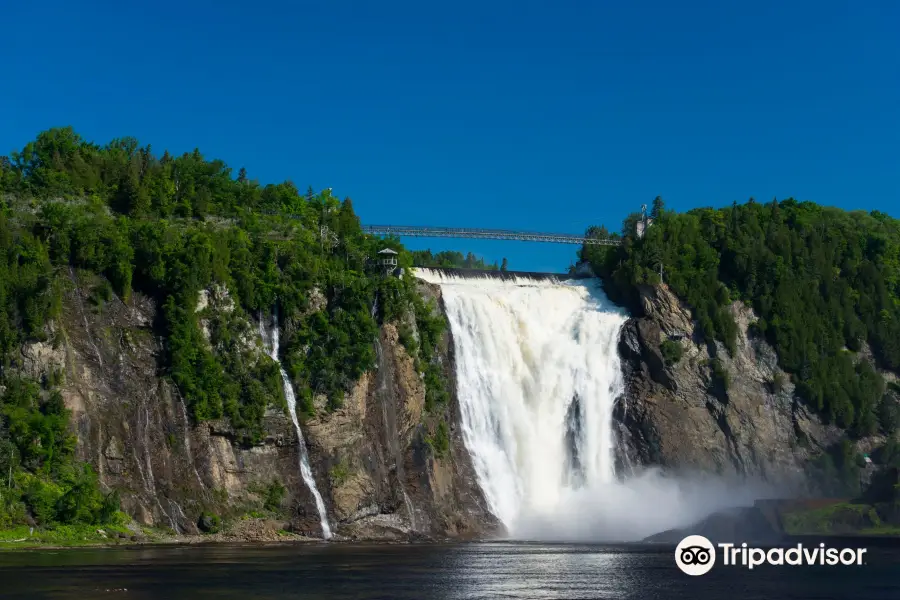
(383, 479)
(709, 410)
(370, 459)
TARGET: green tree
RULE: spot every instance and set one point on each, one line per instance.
(658, 208)
(821, 280)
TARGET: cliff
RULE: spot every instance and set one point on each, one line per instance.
(376, 459)
(384, 479)
(693, 406)
(370, 458)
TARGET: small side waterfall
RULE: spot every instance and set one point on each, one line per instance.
(305, 470)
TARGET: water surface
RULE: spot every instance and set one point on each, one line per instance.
(427, 571)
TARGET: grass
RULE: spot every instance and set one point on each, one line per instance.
(61, 535)
(842, 517)
(882, 530)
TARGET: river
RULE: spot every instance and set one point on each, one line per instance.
(467, 571)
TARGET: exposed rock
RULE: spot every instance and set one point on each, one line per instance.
(217, 297)
(374, 450)
(369, 458)
(114, 456)
(317, 301)
(202, 301)
(40, 359)
(681, 416)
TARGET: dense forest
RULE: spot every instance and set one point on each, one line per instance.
(454, 260)
(168, 227)
(824, 283)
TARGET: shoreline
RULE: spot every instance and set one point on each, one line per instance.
(874, 539)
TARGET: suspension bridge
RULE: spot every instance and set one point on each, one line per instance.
(488, 234)
(495, 234)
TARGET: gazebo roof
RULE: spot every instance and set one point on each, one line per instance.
(387, 251)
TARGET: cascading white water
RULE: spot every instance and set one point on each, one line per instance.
(305, 470)
(538, 376)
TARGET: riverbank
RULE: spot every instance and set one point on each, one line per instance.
(844, 518)
(247, 530)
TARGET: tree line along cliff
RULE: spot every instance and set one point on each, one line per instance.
(170, 228)
(824, 284)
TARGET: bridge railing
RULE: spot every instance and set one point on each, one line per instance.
(494, 234)
(477, 233)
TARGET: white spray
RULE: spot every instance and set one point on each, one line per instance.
(538, 377)
(305, 470)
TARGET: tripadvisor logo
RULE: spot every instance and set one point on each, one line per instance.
(696, 555)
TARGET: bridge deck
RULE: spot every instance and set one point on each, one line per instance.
(487, 234)
(473, 233)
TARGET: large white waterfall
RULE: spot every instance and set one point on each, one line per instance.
(538, 376)
(305, 470)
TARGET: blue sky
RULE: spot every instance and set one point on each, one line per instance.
(547, 116)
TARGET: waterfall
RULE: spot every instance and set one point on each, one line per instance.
(538, 376)
(305, 470)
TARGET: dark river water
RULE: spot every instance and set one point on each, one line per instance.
(430, 572)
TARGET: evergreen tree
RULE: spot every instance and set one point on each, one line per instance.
(822, 281)
(657, 209)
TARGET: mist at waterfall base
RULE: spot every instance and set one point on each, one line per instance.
(538, 377)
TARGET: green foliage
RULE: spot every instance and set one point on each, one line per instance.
(835, 519)
(116, 219)
(720, 375)
(431, 325)
(170, 227)
(209, 523)
(82, 501)
(396, 297)
(24, 536)
(821, 280)
(889, 415)
(41, 477)
(439, 442)
(453, 260)
(407, 339)
(436, 393)
(672, 351)
(28, 290)
(36, 426)
(838, 469)
(274, 496)
(339, 474)
(334, 347)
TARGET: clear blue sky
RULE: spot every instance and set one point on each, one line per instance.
(510, 114)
